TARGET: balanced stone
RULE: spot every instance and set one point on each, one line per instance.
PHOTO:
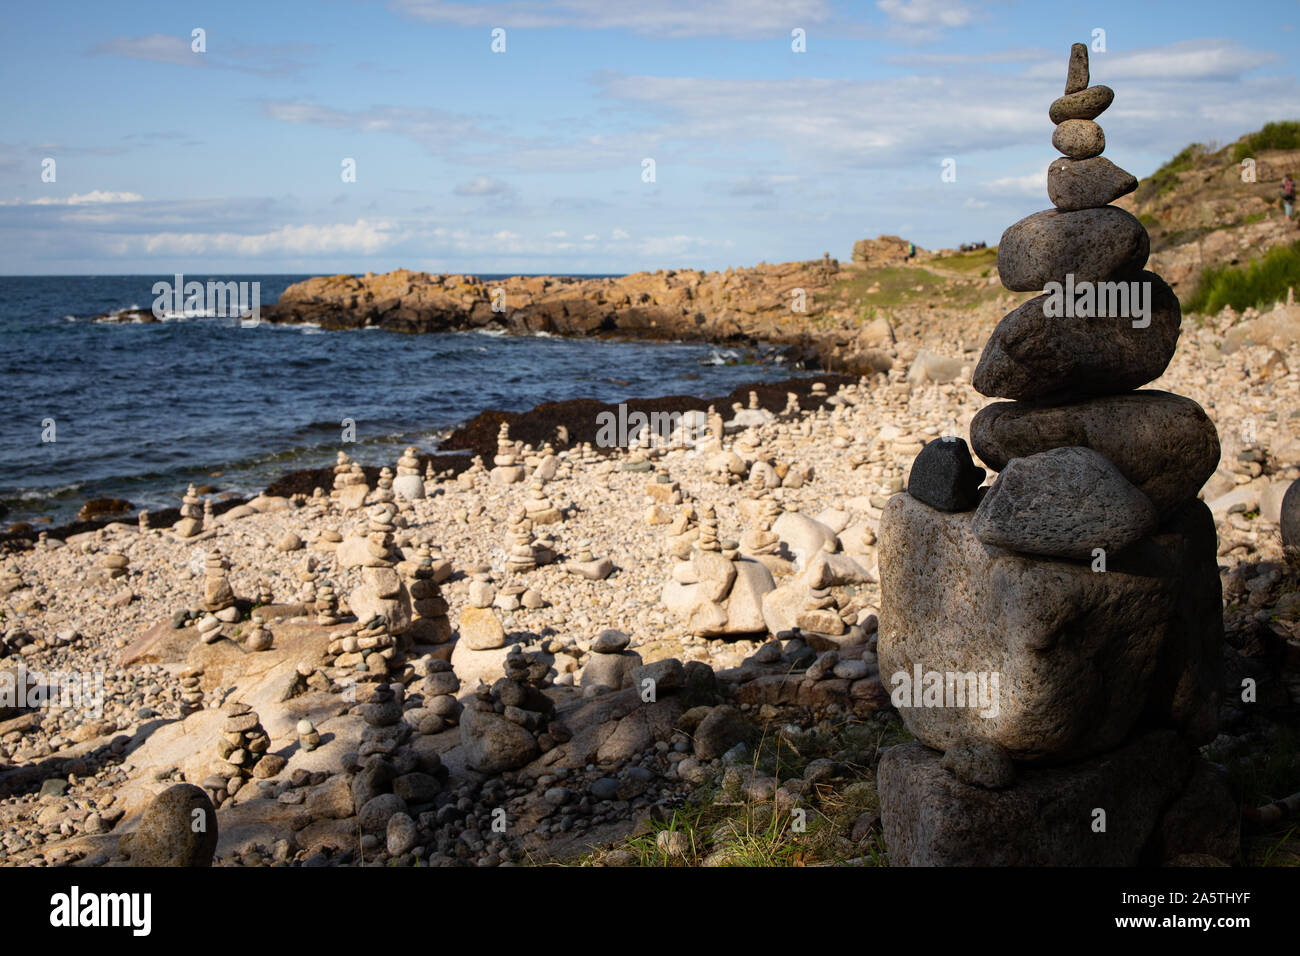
(1164, 444)
(1074, 184)
(1076, 74)
(944, 476)
(1063, 503)
(1071, 658)
(1079, 139)
(1093, 245)
(1033, 356)
(1084, 105)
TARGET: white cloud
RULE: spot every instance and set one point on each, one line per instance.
(1187, 61)
(363, 237)
(484, 186)
(667, 18)
(1033, 185)
(619, 234)
(77, 199)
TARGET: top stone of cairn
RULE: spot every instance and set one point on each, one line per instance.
(1076, 78)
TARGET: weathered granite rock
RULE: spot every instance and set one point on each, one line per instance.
(1063, 503)
(1079, 139)
(930, 818)
(1031, 356)
(1076, 74)
(1084, 105)
(944, 476)
(1164, 444)
(1091, 244)
(178, 828)
(1074, 184)
(979, 763)
(1072, 658)
(493, 744)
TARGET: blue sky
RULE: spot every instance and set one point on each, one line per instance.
(531, 160)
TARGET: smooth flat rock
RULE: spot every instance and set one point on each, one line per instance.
(1074, 184)
(410, 487)
(1079, 139)
(944, 476)
(1031, 356)
(930, 818)
(1091, 244)
(1063, 503)
(1080, 656)
(1164, 444)
(1084, 105)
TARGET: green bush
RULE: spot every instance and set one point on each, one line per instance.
(1258, 283)
(1283, 135)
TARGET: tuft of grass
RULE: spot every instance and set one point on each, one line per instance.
(1281, 135)
(1260, 282)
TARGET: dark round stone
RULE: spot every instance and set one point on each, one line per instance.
(945, 477)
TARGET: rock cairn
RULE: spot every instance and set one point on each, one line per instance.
(716, 591)
(326, 605)
(191, 692)
(191, 519)
(408, 484)
(116, 565)
(244, 750)
(537, 506)
(429, 624)
(259, 637)
(382, 592)
(507, 469)
(1054, 643)
(468, 479)
(511, 722)
(218, 596)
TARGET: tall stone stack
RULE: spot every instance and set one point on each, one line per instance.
(1053, 642)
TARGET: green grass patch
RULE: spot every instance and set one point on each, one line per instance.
(1165, 179)
(970, 262)
(1281, 135)
(1260, 282)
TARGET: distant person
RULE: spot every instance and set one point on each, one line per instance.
(911, 248)
(1288, 194)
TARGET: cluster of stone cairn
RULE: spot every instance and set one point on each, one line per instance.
(244, 751)
(717, 590)
(350, 488)
(507, 469)
(511, 722)
(116, 564)
(382, 592)
(468, 479)
(1056, 651)
(191, 692)
(190, 522)
(259, 637)
(218, 596)
(408, 483)
(429, 624)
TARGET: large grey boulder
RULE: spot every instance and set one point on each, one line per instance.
(1164, 444)
(1072, 659)
(1063, 503)
(178, 828)
(493, 744)
(1091, 244)
(1050, 817)
(1033, 356)
(1074, 184)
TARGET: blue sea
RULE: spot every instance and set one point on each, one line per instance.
(140, 410)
